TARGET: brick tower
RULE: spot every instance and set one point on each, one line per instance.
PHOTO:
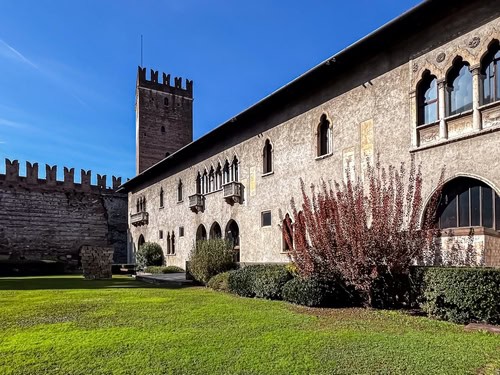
(164, 117)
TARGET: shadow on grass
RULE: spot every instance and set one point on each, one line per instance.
(72, 282)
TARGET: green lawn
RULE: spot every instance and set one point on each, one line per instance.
(66, 325)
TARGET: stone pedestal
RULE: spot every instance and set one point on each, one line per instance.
(96, 262)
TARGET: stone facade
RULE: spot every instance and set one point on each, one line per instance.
(367, 94)
(50, 219)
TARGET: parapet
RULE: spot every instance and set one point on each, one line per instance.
(50, 180)
(153, 83)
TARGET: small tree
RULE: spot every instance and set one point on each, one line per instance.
(209, 258)
(357, 232)
(149, 254)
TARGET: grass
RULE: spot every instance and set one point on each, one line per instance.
(67, 325)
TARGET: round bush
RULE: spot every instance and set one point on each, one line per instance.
(149, 254)
(220, 282)
(269, 280)
(209, 258)
(306, 292)
(240, 282)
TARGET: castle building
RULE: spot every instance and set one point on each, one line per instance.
(426, 84)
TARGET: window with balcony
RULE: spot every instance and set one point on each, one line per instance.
(490, 73)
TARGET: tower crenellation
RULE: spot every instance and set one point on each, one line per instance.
(164, 116)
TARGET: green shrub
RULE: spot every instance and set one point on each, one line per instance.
(462, 295)
(220, 282)
(306, 292)
(149, 254)
(160, 269)
(263, 281)
(240, 282)
(209, 258)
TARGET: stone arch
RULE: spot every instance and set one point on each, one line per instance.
(232, 233)
(215, 231)
(141, 241)
(455, 176)
(201, 233)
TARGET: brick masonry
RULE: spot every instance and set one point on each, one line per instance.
(50, 219)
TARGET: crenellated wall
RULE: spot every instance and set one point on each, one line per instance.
(43, 218)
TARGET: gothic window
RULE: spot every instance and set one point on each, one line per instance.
(201, 233)
(198, 183)
(172, 248)
(179, 191)
(218, 177)
(427, 96)
(144, 204)
(234, 170)
(168, 244)
(467, 202)
(226, 173)
(267, 157)
(490, 71)
(287, 233)
(138, 208)
(161, 197)
(204, 182)
(165, 102)
(141, 241)
(211, 180)
(162, 129)
(324, 137)
(459, 81)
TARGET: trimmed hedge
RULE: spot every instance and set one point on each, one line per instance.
(306, 292)
(462, 295)
(149, 254)
(167, 269)
(262, 281)
(219, 282)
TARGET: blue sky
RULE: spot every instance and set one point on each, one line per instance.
(68, 68)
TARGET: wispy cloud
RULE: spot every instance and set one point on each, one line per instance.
(8, 51)
(13, 124)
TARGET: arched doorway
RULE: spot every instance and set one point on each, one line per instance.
(233, 235)
(140, 242)
(215, 231)
(201, 233)
(468, 202)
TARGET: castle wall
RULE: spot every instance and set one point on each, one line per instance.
(50, 219)
(371, 110)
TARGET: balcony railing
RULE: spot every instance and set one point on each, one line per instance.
(196, 202)
(232, 192)
(140, 218)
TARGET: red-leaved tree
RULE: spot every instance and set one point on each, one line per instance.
(358, 230)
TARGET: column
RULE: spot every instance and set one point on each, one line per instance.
(476, 94)
(443, 129)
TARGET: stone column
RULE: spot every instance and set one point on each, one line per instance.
(414, 119)
(443, 129)
(476, 94)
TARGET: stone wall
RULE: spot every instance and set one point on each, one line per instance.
(50, 219)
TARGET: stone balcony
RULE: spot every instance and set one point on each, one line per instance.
(139, 218)
(196, 202)
(232, 192)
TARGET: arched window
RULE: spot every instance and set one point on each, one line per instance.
(427, 96)
(204, 182)
(490, 70)
(287, 233)
(138, 208)
(198, 183)
(459, 81)
(211, 180)
(165, 102)
(324, 137)
(201, 233)
(141, 241)
(161, 197)
(172, 248)
(144, 204)
(234, 170)
(467, 202)
(218, 177)
(267, 157)
(179, 191)
(226, 173)
(233, 236)
(215, 231)
(168, 244)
